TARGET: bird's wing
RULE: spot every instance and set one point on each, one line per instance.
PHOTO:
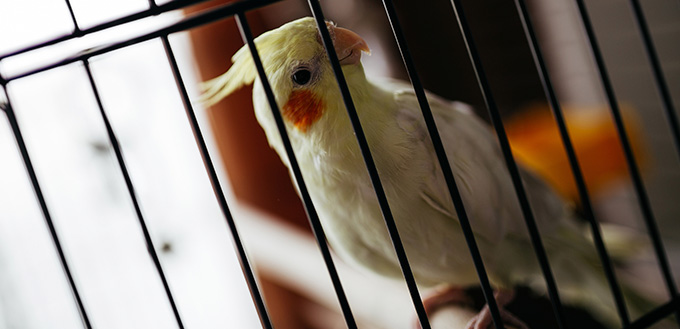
(467, 143)
(478, 167)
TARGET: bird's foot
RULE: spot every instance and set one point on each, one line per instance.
(446, 296)
(483, 319)
(443, 296)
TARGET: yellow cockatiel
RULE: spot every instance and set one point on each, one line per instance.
(306, 91)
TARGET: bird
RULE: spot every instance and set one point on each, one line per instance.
(325, 146)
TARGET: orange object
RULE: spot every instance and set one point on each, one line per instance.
(536, 142)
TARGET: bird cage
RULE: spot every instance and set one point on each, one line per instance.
(547, 56)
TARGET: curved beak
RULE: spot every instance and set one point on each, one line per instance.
(348, 45)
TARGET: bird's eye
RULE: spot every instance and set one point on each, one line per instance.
(302, 76)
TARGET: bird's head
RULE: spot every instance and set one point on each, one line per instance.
(298, 70)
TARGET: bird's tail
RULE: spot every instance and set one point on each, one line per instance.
(586, 285)
(636, 303)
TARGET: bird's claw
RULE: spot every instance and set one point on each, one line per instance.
(483, 320)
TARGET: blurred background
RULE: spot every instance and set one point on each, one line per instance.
(95, 219)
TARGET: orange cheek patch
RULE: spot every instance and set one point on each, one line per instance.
(303, 109)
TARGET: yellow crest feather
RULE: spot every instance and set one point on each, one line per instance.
(277, 48)
(241, 73)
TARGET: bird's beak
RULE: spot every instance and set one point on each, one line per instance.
(348, 45)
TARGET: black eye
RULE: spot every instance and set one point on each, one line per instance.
(302, 76)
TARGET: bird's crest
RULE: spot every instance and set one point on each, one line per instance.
(242, 72)
(274, 47)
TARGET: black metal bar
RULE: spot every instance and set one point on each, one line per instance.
(196, 20)
(443, 162)
(18, 136)
(643, 199)
(217, 189)
(153, 11)
(166, 7)
(297, 173)
(573, 161)
(659, 78)
(370, 165)
(510, 163)
(76, 27)
(128, 182)
(656, 315)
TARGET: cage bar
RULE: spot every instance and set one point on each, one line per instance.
(370, 166)
(196, 20)
(152, 4)
(154, 11)
(643, 199)
(168, 6)
(76, 28)
(558, 309)
(297, 173)
(131, 191)
(655, 315)
(443, 162)
(659, 78)
(573, 161)
(239, 8)
(18, 136)
(217, 189)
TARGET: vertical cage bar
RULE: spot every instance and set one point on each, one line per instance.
(302, 187)
(370, 165)
(128, 182)
(510, 163)
(443, 162)
(655, 315)
(160, 9)
(18, 136)
(643, 199)
(659, 78)
(573, 161)
(217, 188)
(76, 27)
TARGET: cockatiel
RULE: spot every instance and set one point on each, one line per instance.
(306, 91)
